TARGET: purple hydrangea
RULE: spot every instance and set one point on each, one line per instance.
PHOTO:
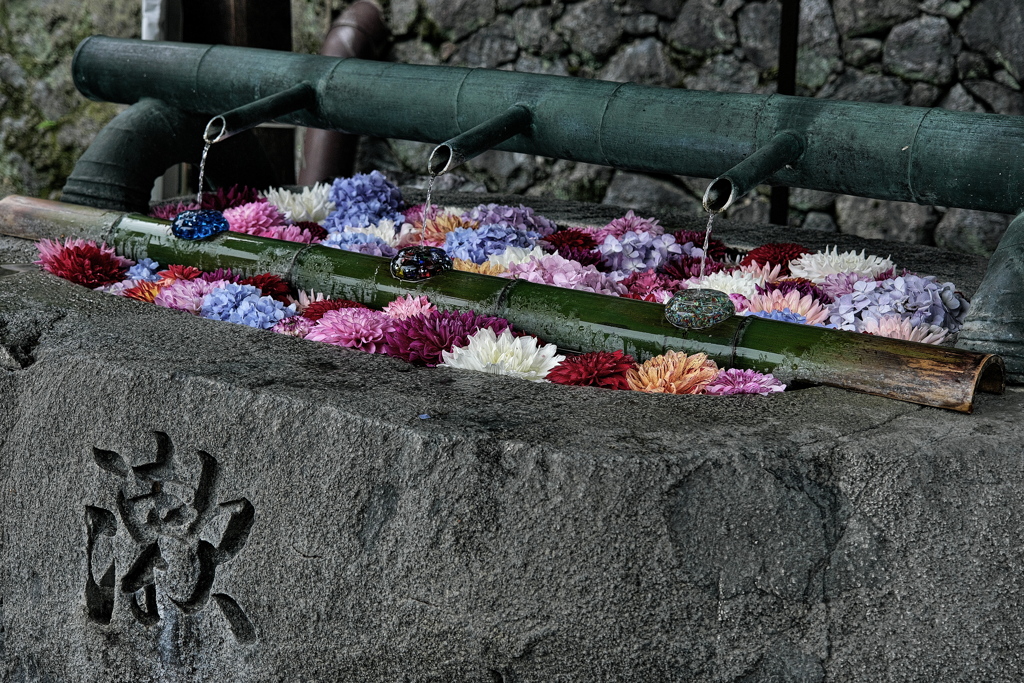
(144, 270)
(477, 245)
(243, 304)
(359, 242)
(364, 199)
(522, 218)
(637, 251)
(921, 300)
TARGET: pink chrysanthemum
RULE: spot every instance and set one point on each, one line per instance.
(255, 218)
(651, 286)
(304, 300)
(220, 274)
(894, 326)
(620, 226)
(231, 197)
(422, 339)
(288, 233)
(552, 269)
(316, 309)
(168, 212)
(741, 302)
(766, 273)
(787, 285)
(594, 369)
(407, 306)
(354, 328)
(734, 381)
(775, 300)
(186, 295)
(82, 262)
(683, 267)
(294, 326)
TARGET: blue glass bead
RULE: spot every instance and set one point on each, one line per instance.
(695, 309)
(413, 264)
(198, 224)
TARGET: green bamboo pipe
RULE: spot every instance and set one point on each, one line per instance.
(575, 321)
(928, 156)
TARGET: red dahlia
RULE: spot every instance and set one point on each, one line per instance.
(775, 254)
(318, 231)
(176, 272)
(229, 198)
(573, 239)
(144, 291)
(316, 310)
(270, 285)
(594, 369)
(82, 262)
(683, 267)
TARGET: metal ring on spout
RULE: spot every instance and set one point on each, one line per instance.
(220, 120)
(443, 159)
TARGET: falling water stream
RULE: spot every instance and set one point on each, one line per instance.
(430, 188)
(707, 244)
(202, 170)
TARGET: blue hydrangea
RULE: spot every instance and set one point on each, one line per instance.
(244, 305)
(522, 218)
(637, 251)
(364, 199)
(477, 245)
(359, 242)
(921, 300)
(144, 270)
(785, 315)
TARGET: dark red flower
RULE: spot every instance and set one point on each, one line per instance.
(316, 310)
(647, 285)
(585, 257)
(716, 248)
(270, 285)
(144, 291)
(775, 254)
(229, 198)
(683, 267)
(82, 262)
(168, 212)
(797, 284)
(422, 338)
(220, 274)
(571, 239)
(318, 231)
(594, 369)
(176, 272)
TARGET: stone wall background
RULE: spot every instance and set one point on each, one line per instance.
(958, 54)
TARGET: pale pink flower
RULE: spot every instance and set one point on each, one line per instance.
(355, 328)
(777, 301)
(552, 269)
(186, 295)
(294, 326)
(893, 326)
(407, 306)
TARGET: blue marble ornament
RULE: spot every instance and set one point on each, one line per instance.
(413, 264)
(198, 224)
(695, 309)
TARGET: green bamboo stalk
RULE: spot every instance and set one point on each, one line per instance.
(577, 321)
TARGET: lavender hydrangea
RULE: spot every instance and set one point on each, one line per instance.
(921, 300)
(477, 245)
(359, 242)
(636, 251)
(364, 199)
(144, 270)
(522, 218)
(243, 304)
(785, 315)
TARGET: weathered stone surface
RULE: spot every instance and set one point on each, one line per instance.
(958, 99)
(724, 73)
(500, 170)
(866, 87)
(753, 209)
(640, 24)
(999, 98)
(921, 50)
(403, 13)
(995, 27)
(893, 221)
(923, 95)
(592, 27)
(414, 52)
(811, 200)
(951, 9)
(702, 28)
(531, 27)
(861, 51)
(972, 65)
(459, 18)
(1006, 78)
(971, 232)
(644, 61)
(758, 24)
(637, 191)
(864, 17)
(489, 47)
(573, 180)
(668, 9)
(538, 65)
(818, 220)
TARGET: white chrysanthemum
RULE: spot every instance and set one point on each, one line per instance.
(736, 282)
(312, 204)
(385, 230)
(515, 255)
(764, 274)
(817, 267)
(894, 326)
(504, 354)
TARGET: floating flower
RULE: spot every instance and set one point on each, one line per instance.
(569, 238)
(118, 288)
(620, 226)
(144, 290)
(359, 242)
(673, 373)
(485, 268)
(385, 230)
(683, 267)
(229, 198)
(838, 284)
(522, 219)
(295, 326)
(817, 267)
(288, 233)
(735, 381)
(437, 227)
(735, 282)
(651, 286)
(638, 250)
(254, 218)
(919, 299)
(692, 242)
(220, 274)
(415, 215)
(775, 254)
(739, 301)
(407, 306)
(304, 299)
(316, 309)
(812, 311)
(552, 269)
(311, 204)
(270, 285)
(787, 285)
(362, 200)
(594, 369)
(584, 257)
(515, 255)
(477, 245)
(894, 326)
(168, 212)
(186, 295)
(783, 316)
(82, 262)
(144, 270)
(355, 328)
(763, 273)
(176, 272)
(315, 229)
(243, 304)
(504, 354)
(422, 339)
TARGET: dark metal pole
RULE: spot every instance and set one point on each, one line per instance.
(789, 40)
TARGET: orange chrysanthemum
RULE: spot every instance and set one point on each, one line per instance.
(673, 373)
(435, 229)
(144, 291)
(485, 268)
